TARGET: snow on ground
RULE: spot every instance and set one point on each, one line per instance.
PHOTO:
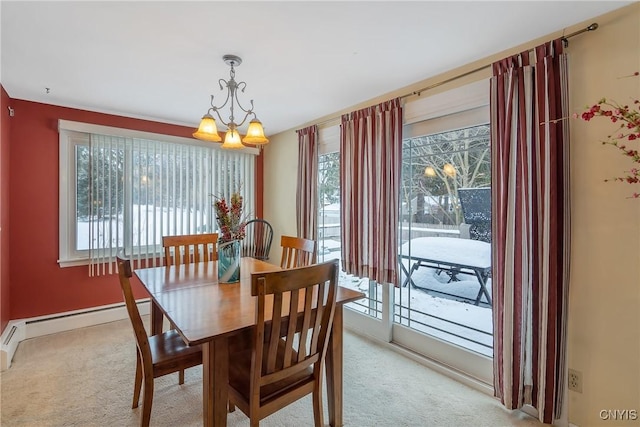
(436, 306)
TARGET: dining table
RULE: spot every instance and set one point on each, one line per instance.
(212, 315)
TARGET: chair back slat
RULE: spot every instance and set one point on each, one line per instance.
(306, 322)
(190, 248)
(315, 337)
(297, 252)
(257, 355)
(292, 326)
(274, 338)
(291, 330)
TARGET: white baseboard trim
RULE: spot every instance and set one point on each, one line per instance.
(22, 329)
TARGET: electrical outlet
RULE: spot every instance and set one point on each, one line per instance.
(575, 381)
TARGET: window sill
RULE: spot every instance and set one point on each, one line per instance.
(63, 263)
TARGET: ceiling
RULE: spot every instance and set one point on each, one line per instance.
(301, 60)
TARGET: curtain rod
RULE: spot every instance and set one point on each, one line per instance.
(564, 39)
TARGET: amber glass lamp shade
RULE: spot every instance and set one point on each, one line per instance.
(255, 133)
(232, 139)
(207, 131)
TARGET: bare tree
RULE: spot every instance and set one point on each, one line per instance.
(436, 166)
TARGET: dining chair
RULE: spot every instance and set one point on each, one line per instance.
(190, 248)
(257, 240)
(156, 355)
(294, 317)
(297, 252)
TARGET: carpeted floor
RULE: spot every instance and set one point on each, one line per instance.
(85, 378)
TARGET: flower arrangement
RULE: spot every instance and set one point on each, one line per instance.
(230, 219)
(628, 118)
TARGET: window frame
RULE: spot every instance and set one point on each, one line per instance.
(71, 135)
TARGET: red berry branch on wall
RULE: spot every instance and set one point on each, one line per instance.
(627, 136)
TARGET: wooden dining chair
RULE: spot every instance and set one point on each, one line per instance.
(190, 248)
(294, 317)
(157, 355)
(257, 239)
(297, 252)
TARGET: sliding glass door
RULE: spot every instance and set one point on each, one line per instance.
(442, 308)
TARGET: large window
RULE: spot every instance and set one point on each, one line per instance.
(445, 238)
(125, 190)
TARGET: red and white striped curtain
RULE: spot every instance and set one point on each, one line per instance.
(370, 166)
(530, 203)
(307, 190)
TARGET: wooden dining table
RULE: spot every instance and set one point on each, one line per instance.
(211, 314)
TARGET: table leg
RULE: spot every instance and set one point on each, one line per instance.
(215, 379)
(404, 269)
(408, 279)
(333, 365)
(483, 288)
(156, 319)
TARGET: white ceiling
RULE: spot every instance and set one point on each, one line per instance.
(301, 60)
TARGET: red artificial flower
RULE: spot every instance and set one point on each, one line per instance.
(230, 219)
(629, 119)
(587, 115)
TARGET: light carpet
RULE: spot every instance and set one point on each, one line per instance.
(85, 377)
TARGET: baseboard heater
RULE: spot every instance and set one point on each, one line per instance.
(22, 329)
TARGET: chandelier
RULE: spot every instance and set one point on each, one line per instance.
(208, 129)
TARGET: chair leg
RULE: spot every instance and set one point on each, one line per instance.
(317, 407)
(137, 385)
(181, 372)
(147, 401)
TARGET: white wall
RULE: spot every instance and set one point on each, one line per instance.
(280, 169)
(604, 305)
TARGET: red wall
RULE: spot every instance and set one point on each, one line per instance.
(5, 129)
(38, 285)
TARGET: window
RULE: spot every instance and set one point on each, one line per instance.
(126, 189)
(444, 300)
(443, 309)
(329, 229)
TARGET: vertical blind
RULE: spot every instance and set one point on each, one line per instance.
(141, 189)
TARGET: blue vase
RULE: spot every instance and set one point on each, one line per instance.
(229, 262)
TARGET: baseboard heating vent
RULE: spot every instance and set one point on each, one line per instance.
(73, 313)
(17, 331)
(12, 332)
(60, 322)
(11, 337)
